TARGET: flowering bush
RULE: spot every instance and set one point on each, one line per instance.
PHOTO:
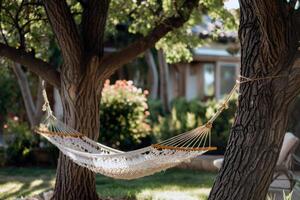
(123, 116)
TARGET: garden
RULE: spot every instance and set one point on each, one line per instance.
(146, 99)
(28, 161)
(128, 120)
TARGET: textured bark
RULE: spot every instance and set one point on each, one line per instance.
(93, 22)
(268, 48)
(153, 73)
(66, 32)
(80, 100)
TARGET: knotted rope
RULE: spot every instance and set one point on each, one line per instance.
(46, 107)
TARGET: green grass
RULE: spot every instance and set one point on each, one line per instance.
(171, 184)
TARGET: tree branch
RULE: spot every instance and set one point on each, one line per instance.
(37, 66)
(65, 30)
(112, 62)
(26, 93)
(93, 25)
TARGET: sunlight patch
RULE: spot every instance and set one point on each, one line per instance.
(174, 194)
(10, 188)
(36, 183)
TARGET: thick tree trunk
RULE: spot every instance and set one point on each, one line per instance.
(267, 49)
(254, 143)
(80, 98)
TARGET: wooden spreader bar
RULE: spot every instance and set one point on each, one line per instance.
(158, 146)
(61, 134)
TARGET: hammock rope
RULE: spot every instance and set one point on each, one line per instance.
(132, 164)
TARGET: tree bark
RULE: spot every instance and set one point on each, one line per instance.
(153, 73)
(80, 101)
(267, 49)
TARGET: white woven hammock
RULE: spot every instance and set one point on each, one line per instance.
(132, 164)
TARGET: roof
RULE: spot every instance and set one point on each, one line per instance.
(211, 52)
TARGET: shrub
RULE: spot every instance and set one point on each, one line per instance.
(123, 116)
(22, 145)
(186, 115)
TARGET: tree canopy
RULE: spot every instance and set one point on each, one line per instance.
(24, 25)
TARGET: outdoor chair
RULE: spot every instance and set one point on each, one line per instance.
(285, 162)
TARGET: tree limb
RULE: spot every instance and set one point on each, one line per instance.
(93, 25)
(39, 67)
(112, 62)
(65, 30)
(26, 93)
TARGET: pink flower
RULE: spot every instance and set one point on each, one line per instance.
(130, 82)
(5, 126)
(16, 118)
(146, 92)
(106, 83)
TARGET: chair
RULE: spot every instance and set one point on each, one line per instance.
(285, 162)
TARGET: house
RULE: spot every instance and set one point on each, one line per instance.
(211, 74)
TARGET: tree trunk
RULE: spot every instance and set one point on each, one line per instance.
(153, 73)
(267, 50)
(80, 99)
(254, 143)
(33, 111)
(164, 78)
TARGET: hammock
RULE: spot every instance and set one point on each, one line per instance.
(132, 164)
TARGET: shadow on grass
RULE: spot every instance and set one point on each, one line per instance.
(21, 182)
(170, 180)
(29, 181)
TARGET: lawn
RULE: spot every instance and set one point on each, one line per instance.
(171, 184)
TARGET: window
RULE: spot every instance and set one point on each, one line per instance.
(209, 79)
(216, 80)
(227, 78)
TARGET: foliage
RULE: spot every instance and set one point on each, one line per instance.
(186, 115)
(178, 43)
(17, 182)
(9, 93)
(123, 115)
(29, 19)
(21, 143)
(24, 24)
